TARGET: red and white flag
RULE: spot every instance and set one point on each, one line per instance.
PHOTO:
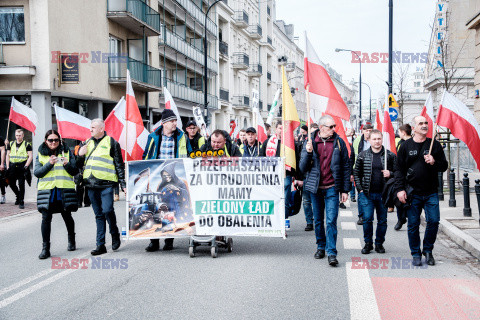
(378, 121)
(125, 125)
(71, 125)
(388, 132)
(427, 112)
(23, 116)
(261, 130)
(340, 130)
(170, 104)
(157, 125)
(455, 115)
(323, 94)
(234, 129)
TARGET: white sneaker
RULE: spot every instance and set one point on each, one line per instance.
(3, 199)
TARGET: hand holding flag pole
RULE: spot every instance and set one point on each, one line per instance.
(434, 134)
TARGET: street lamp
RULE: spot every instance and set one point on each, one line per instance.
(370, 90)
(360, 80)
(205, 69)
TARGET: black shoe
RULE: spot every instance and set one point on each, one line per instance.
(99, 250)
(71, 243)
(379, 248)
(116, 241)
(399, 224)
(332, 260)
(168, 244)
(417, 261)
(21, 205)
(320, 254)
(17, 202)
(354, 200)
(367, 248)
(360, 221)
(429, 258)
(154, 245)
(342, 205)
(45, 251)
(309, 227)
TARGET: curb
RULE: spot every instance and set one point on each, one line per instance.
(464, 240)
(18, 215)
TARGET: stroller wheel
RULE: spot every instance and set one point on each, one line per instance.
(191, 252)
(229, 245)
(214, 251)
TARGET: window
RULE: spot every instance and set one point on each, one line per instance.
(12, 25)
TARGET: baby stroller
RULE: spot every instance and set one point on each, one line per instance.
(214, 242)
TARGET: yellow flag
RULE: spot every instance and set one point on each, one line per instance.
(290, 121)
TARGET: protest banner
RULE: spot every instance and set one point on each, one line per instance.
(205, 196)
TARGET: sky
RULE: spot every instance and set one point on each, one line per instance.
(360, 25)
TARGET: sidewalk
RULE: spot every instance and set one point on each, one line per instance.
(465, 231)
(10, 209)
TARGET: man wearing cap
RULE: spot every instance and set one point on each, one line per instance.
(195, 138)
(360, 144)
(166, 142)
(251, 145)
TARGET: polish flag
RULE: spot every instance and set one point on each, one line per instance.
(125, 125)
(388, 132)
(427, 112)
(261, 130)
(323, 94)
(378, 122)
(170, 104)
(23, 116)
(234, 129)
(340, 130)
(71, 125)
(455, 115)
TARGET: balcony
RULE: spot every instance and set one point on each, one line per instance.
(240, 61)
(181, 91)
(134, 15)
(170, 39)
(289, 67)
(268, 44)
(224, 94)
(255, 70)
(199, 15)
(255, 31)
(240, 19)
(241, 101)
(269, 77)
(144, 77)
(223, 48)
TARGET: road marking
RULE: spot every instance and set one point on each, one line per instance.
(363, 304)
(348, 225)
(352, 243)
(346, 213)
(25, 281)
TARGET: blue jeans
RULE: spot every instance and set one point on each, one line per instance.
(352, 192)
(102, 204)
(288, 196)
(326, 201)
(362, 203)
(432, 215)
(307, 207)
(374, 203)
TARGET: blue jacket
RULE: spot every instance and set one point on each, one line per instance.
(182, 144)
(341, 170)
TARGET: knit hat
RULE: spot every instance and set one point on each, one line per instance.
(304, 127)
(168, 115)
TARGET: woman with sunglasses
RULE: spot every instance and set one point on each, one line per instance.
(55, 167)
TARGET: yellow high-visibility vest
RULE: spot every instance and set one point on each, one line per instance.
(57, 177)
(99, 162)
(20, 154)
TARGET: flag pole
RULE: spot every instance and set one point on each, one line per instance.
(8, 125)
(283, 120)
(308, 111)
(434, 134)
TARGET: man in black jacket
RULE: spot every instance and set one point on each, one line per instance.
(102, 157)
(370, 175)
(417, 171)
(220, 142)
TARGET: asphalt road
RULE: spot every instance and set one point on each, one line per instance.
(263, 278)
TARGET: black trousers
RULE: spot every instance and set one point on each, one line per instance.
(17, 174)
(47, 221)
(82, 195)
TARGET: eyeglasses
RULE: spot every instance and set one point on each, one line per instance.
(331, 127)
(53, 140)
(423, 123)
